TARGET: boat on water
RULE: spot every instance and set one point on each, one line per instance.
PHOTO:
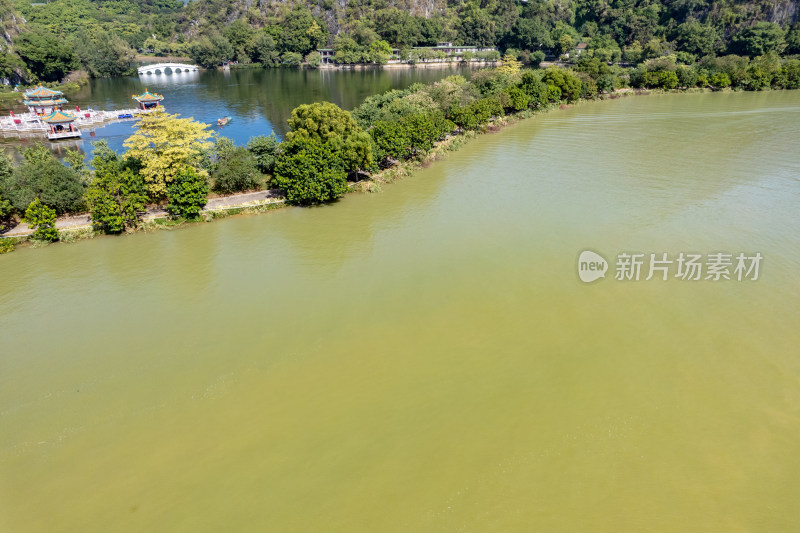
(223, 121)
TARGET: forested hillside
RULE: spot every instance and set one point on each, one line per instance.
(46, 41)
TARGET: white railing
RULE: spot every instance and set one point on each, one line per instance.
(63, 134)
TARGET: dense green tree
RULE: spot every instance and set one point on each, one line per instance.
(301, 32)
(265, 149)
(516, 99)
(477, 113)
(118, 192)
(346, 50)
(592, 66)
(695, 38)
(6, 209)
(789, 76)
(264, 50)
(309, 172)
(292, 59)
(12, 67)
(720, 80)
(105, 55)
(234, 169)
(535, 88)
(42, 176)
(42, 219)
(568, 84)
(758, 39)
(378, 52)
(375, 107)
(475, 26)
(793, 40)
(44, 54)
(210, 51)
(687, 76)
(321, 121)
(240, 35)
(313, 59)
(187, 194)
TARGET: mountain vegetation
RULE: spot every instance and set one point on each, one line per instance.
(42, 42)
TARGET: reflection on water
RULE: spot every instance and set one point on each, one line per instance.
(259, 100)
(426, 359)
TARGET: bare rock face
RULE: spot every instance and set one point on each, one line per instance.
(10, 23)
(785, 12)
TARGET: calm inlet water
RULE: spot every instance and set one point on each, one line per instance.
(426, 358)
(258, 100)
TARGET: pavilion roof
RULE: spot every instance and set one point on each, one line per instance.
(42, 92)
(57, 117)
(50, 101)
(147, 96)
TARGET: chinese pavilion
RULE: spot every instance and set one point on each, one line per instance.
(148, 100)
(41, 100)
(60, 125)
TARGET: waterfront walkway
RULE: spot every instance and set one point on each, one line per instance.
(221, 203)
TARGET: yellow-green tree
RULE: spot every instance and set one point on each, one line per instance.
(511, 65)
(167, 145)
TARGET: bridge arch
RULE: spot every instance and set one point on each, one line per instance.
(163, 68)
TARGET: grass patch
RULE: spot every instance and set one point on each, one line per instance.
(77, 234)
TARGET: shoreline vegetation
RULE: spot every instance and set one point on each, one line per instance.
(11, 99)
(44, 42)
(172, 163)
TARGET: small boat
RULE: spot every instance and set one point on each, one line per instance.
(223, 121)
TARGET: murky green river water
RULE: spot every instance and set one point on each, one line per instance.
(426, 358)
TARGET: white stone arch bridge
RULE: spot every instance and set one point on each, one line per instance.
(163, 68)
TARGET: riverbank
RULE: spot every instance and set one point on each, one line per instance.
(79, 227)
(407, 65)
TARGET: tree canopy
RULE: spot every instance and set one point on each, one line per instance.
(166, 145)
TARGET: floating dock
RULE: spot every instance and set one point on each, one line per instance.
(25, 125)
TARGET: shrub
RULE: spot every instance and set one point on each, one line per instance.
(720, 80)
(410, 136)
(43, 219)
(789, 77)
(687, 76)
(477, 113)
(313, 59)
(5, 213)
(516, 99)
(567, 82)
(187, 194)
(234, 169)
(265, 149)
(535, 88)
(292, 59)
(606, 83)
(42, 176)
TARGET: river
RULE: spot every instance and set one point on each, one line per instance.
(259, 101)
(426, 358)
